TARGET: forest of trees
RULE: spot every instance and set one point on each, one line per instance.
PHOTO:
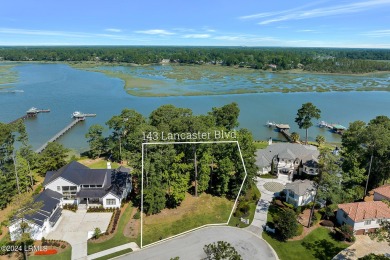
(172, 170)
(328, 60)
(19, 166)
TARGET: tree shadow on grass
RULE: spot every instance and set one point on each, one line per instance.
(322, 249)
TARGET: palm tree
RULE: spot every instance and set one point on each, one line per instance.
(320, 139)
(305, 114)
(295, 137)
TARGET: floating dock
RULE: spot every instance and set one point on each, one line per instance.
(336, 128)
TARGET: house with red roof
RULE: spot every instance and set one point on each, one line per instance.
(364, 217)
(382, 193)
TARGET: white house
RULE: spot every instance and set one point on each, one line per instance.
(288, 158)
(79, 184)
(300, 192)
(382, 192)
(42, 220)
(364, 217)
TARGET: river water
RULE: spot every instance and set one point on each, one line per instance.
(65, 90)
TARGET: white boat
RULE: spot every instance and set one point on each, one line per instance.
(270, 124)
(77, 114)
(323, 124)
(33, 110)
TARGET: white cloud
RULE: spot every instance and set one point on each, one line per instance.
(156, 32)
(43, 32)
(304, 13)
(197, 36)
(378, 33)
(113, 30)
(306, 30)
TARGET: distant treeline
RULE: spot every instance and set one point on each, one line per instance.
(310, 59)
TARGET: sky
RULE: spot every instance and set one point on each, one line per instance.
(283, 23)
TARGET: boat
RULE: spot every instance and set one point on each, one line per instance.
(33, 110)
(77, 114)
(270, 124)
(323, 124)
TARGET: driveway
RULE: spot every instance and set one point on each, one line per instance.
(363, 245)
(267, 188)
(190, 246)
(73, 228)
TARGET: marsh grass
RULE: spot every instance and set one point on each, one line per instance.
(196, 80)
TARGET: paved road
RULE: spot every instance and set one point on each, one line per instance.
(190, 246)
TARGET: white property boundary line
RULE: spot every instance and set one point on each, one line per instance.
(185, 232)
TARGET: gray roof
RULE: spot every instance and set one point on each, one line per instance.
(78, 174)
(49, 200)
(114, 180)
(300, 187)
(285, 151)
(91, 193)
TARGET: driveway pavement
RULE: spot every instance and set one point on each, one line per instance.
(267, 188)
(190, 246)
(363, 245)
(73, 228)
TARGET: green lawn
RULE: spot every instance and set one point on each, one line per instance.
(103, 165)
(319, 244)
(119, 253)
(118, 239)
(192, 213)
(249, 198)
(66, 255)
(260, 144)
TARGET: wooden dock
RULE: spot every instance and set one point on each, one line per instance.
(60, 133)
(282, 128)
(286, 134)
(32, 112)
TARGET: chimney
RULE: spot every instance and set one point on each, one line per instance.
(108, 165)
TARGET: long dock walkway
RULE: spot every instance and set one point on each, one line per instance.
(60, 133)
(32, 112)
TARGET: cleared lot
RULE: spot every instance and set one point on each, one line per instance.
(74, 227)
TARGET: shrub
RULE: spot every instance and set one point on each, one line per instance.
(43, 240)
(279, 203)
(327, 223)
(97, 233)
(137, 215)
(299, 230)
(71, 207)
(286, 224)
(298, 210)
(63, 246)
(288, 205)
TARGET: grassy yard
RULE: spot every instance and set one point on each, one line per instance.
(193, 212)
(251, 198)
(98, 163)
(66, 255)
(118, 239)
(260, 144)
(319, 244)
(119, 253)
